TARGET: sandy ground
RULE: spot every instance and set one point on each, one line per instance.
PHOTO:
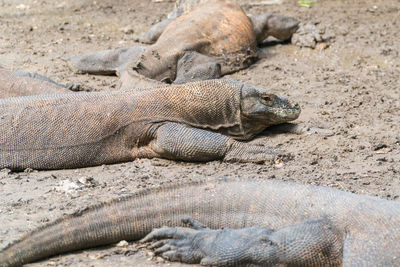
(351, 88)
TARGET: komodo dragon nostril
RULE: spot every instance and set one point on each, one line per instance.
(293, 104)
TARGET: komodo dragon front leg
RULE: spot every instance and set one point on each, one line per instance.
(106, 62)
(177, 141)
(294, 245)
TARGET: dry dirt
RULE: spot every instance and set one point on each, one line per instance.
(352, 88)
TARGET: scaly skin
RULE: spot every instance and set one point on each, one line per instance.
(25, 83)
(264, 222)
(198, 121)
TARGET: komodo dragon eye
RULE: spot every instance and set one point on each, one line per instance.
(267, 98)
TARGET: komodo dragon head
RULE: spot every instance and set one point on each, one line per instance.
(278, 26)
(258, 106)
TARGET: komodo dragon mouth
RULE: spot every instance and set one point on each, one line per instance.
(280, 108)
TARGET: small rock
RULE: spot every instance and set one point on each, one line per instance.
(159, 259)
(86, 180)
(379, 146)
(4, 172)
(308, 35)
(67, 186)
(278, 163)
(127, 30)
(28, 170)
(384, 159)
(22, 7)
(122, 243)
(321, 46)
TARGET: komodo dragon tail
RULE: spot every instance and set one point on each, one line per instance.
(353, 229)
(129, 218)
(24, 83)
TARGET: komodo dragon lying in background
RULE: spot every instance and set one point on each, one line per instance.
(264, 222)
(194, 122)
(212, 40)
(20, 83)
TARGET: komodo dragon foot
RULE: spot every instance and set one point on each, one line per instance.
(175, 141)
(106, 62)
(295, 245)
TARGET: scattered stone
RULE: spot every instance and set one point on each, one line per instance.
(122, 243)
(278, 163)
(127, 30)
(87, 181)
(159, 259)
(28, 170)
(4, 173)
(379, 146)
(67, 186)
(308, 35)
(22, 7)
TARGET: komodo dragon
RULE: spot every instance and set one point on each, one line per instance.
(19, 83)
(23, 83)
(264, 222)
(194, 122)
(212, 40)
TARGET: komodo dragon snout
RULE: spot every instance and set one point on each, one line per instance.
(260, 105)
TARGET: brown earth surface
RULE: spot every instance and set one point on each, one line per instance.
(352, 88)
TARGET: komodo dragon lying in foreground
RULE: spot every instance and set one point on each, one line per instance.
(214, 39)
(196, 121)
(273, 223)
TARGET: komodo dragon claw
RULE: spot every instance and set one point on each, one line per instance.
(195, 224)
